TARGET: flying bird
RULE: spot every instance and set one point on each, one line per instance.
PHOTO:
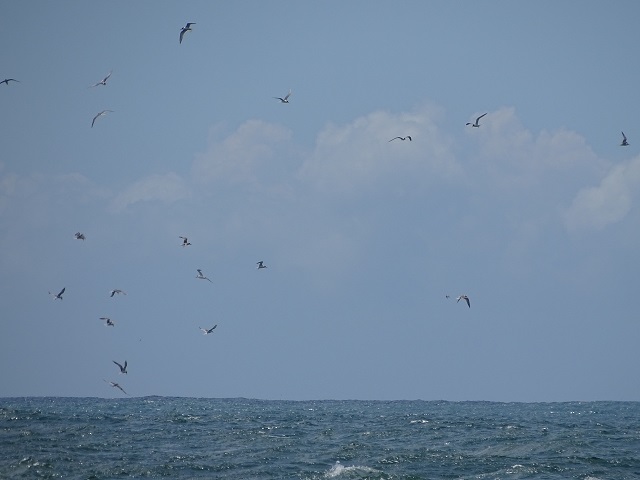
(465, 298)
(123, 369)
(80, 236)
(201, 275)
(109, 322)
(185, 29)
(58, 296)
(207, 331)
(118, 291)
(7, 80)
(185, 241)
(101, 82)
(285, 99)
(477, 124)
(401, 138)
(624, 141)
(115, 385)
(261, 265)
(102, 113)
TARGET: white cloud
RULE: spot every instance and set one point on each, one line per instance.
(167, 188)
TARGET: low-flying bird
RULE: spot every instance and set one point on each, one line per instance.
(465, 298)
(123, 368)
(101, 82)
(185, 241)
(624, 141)
(80, 236)
(477, 124)
(261, 265)
(59, 295)
(201, 275)
(115, 385)
(7, 80)
(286, 97)
(207, 331)
(109, 322)
(185, 29)
(401, 138)
(118, 291)
(103, 112)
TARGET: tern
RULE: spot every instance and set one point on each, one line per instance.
(118, 291)
(401, 138)
(285, 99)
(624, 141)
(465, 298)
(185, 29)
(207, 331)
(201, 275)
(185, 241)
(115, 385)
(101, 82)
(7, 80)
(477, 124)
(123, 369)
(261, 265)
(58, 296)
(102, 113)
(80, 236)
(109, 322)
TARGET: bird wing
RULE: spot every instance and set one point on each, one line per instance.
(409, 137)
(182, 34)
(394, 138)
(117, 364)
(94, 119)
(62, 291)
(288, 95)
(107, 77)
(478, 119)
(624, 137)
(468, 302)
(199, 271)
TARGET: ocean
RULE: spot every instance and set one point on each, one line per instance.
(186, 438)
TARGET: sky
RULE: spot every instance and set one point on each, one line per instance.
(368, 242)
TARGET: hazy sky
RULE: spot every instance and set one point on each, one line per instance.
(534, 215)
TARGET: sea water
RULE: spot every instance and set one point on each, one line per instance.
(184, 438)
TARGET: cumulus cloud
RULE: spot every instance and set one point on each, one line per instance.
(166, 188)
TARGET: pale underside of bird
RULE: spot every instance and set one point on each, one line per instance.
(118, 291)
(285, 99)
(185, 241)
(80, 236)
(59, 295)
(108, 321)
(201, 276)
(465, 298)
(261, 265)
(185, 29)
(408, 137)
(101, 82)
(102, 113)
(477, 122)
(123, 368)
(207, 331)
(624, 140)
(7, 80)
(115, 385)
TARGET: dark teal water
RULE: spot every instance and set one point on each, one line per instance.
(184, 438)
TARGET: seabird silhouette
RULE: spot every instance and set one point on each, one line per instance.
(206, 331)
(185, 29)
(115, 385)
(58, 296)
(123, 369)
(465, 298)
(101, 82)
(477, 124)
(185, 242)
(80, 236)
(103, 112)
(624, 141)
(401, 138)
(286, 98)
(109, 322)
(201, 275)
(118, 291)
(261, 265)
(7, 80)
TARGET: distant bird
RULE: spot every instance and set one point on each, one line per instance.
(109, 322)
(261, 265)
(123, 369)
(201, 275)
(401, 138)
(447, 296)
(465, 298)
(7, 80)
(624, 141)
(115, 385)
(58, 296)
(477, 124)
(80, 236)
(101, 82)
(118, 291)
(185, 29)
(285, 99)
(206, 331)
(185, 241)
(103, 112)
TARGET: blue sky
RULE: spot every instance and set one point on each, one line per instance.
(533, 215)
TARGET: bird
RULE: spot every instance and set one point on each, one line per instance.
(624, 141)
(109, 322)
(123, 369)
(285, 99)
(103, 112)
(115, 385)
(201, 275)
(207, 331)
(101, 82)
(261, 265)
(185, 29)
(185, 241)
(401, 138)
(7, 80)
(58, 296)
(477, 124)
(465, 298)
(118, 291)
(80, 236)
